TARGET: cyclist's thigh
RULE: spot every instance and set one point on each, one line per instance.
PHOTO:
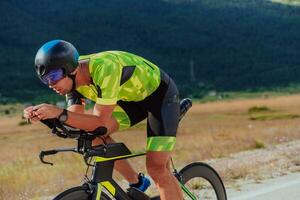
(129, 113)
(163, 121)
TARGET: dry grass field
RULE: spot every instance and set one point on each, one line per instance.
(209, 130)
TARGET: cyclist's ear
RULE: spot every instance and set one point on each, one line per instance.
(75, 71)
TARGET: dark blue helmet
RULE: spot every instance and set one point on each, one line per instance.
(56, 54)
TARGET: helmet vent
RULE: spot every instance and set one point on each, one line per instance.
(41, 70)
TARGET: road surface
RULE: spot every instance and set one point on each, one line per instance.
(281, 188)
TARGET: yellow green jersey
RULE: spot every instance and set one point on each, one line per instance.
(139, 89)
(118, 75)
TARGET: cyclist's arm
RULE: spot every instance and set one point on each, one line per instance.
(107, 80)
(101, 116)
(76, 108)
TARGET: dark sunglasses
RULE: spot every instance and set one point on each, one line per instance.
(53, 77)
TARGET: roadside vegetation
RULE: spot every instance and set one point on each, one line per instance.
(263, 113)
(288, 2)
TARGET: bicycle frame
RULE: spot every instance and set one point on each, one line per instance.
(103, 168)
(103, 171)
(102, 176)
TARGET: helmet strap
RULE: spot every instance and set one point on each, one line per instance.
(72, 76)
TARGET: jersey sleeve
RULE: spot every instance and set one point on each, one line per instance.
(73, 98)
(107, 80)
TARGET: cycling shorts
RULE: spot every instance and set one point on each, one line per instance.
(161, 109)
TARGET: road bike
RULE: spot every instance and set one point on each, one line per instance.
(197, 180)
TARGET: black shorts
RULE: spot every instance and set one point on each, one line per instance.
(161, 109)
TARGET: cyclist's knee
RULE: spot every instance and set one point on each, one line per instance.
(105, 138)
(157, 165)
(159, 173)
(112, 126)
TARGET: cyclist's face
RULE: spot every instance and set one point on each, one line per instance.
(62, 86)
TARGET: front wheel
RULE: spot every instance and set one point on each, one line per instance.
(200, 181)
(79, 193)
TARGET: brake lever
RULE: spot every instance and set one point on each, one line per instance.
(45, 153)
(55, 151)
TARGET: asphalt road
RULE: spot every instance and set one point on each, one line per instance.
(281, 188)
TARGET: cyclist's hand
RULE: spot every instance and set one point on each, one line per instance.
(28, 113)
(46, 111)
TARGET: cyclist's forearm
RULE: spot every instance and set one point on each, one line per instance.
(76, 108)
(86, 121)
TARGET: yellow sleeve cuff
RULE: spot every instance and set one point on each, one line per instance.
(106, 101)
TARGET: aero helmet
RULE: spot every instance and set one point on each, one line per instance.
(54, 55)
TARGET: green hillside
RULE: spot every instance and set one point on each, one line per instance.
(234, 44)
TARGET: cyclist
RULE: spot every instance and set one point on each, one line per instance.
(126, 89)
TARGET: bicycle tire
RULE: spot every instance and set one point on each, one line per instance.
(79, 193)
(204, 171)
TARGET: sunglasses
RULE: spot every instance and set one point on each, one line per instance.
(53, 77)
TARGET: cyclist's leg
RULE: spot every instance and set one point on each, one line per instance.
(158, 169)
(161, 129)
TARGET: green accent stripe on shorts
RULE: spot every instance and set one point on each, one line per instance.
(160, 143)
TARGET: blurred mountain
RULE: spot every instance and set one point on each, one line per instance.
(233, 44)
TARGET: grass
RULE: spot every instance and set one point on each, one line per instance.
(229, 96)
(288, 2)
(263, 113)
(198, 185)
(275, 116)
(23, 122)
(10, 109)
(258, 109)
(259, 144)
(209, 130)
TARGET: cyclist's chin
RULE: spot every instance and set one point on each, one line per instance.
(61, 92)
(65, 91)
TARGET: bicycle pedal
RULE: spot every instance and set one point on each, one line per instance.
(136, 194)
